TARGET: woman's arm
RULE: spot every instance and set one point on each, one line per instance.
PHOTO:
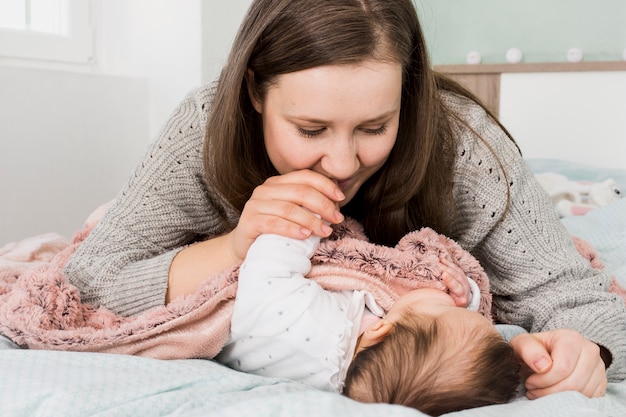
(151, 245)
(124, 262)
(197, 262)
(538, 279)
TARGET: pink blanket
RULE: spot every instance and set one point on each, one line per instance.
(39, 309)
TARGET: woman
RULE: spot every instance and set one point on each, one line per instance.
(326, 104)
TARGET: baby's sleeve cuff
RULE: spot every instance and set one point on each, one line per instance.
(474, 298)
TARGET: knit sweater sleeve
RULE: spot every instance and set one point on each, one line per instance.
(124, 262)
(538, 279)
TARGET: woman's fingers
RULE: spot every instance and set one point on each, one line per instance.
(561, 360)
(298, 189)
(294, 205)
(315, 180)
(289, 202)
(287, 219)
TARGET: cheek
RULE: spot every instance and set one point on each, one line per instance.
(286, 152)
(376, 153)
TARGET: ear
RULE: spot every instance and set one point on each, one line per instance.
(254, 98)
(374, 334)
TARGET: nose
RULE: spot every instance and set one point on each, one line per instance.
(341, 157)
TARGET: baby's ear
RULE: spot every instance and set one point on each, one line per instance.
(374, 334)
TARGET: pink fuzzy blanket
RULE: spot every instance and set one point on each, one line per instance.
(39, 309)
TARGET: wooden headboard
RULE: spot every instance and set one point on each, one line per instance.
(484, 79)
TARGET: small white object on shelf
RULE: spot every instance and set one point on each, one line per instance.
(473, 58)
(574, 55)
(514, 55)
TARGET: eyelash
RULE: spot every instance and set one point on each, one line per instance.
(309, 134)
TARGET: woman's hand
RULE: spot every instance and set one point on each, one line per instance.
(282, 205)
(560, 360)
(456, 281)
(285, 205)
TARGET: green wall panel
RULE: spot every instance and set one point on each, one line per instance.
(544, 30)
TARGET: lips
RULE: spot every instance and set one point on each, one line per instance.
(344, 184)
(349, 186)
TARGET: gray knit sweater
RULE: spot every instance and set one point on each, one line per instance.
(538, 279)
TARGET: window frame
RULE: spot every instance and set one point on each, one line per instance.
(76, 47)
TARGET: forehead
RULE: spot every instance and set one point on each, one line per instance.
(360, 89)
(438, 304)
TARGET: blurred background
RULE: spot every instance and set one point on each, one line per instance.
(85, 85)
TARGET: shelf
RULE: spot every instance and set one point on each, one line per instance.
(533, 67)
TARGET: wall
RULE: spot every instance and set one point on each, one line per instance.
(67, 143)
(160, 40)
(70, 135)
(220, 21)
(543, 30)
(576, 116)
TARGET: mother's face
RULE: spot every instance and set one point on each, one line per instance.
(338, 120)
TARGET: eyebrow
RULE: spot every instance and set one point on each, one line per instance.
(376, 119)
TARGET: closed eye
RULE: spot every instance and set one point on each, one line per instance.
(307, 133)
(311, 133)
(378, 131)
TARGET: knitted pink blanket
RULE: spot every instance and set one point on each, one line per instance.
(39, 309)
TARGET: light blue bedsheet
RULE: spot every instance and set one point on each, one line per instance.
(605, 229)
(72, 384)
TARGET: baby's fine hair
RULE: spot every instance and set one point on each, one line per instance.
(420, 365)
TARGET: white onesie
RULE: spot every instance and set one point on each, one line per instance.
(286, 325)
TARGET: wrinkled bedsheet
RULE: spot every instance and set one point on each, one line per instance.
(73, 384)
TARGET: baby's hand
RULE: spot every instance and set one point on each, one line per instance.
(456, 281)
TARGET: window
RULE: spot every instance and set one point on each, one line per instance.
(51, 30)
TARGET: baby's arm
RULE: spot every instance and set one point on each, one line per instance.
(463, 290)
(272, 279)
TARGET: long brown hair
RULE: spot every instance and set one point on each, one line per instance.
(278, 37)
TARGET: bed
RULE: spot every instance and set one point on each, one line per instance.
(57, 383)
(54, 383)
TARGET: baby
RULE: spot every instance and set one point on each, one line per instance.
(425, 352)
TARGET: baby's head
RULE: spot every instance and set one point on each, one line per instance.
(433, 356)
